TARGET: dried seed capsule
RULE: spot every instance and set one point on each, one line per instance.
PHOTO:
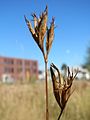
(34, 35)
(62, 92)
(55, 86)
(42, 26)
(50, 36)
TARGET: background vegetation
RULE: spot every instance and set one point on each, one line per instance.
(27, 102)
(87, 59)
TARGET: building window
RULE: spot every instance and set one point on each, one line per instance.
(8, 61)
(19, 70)
(34, 71)
(27, 69)
(19, 62)
(27, 63)
(12, 70)
(8, 70)
(33, 65)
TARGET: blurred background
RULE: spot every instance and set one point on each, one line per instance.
(22, 88)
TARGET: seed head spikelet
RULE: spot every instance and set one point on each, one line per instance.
(62, 92)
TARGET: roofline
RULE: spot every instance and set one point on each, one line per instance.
(8, 57)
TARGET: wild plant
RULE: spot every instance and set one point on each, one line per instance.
(62, 87)
(39, 32)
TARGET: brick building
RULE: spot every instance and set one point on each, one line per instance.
(18, 69)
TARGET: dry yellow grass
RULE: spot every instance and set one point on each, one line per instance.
(27, 102)
(20, 102)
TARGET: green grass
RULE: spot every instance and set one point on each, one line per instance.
(27, 102)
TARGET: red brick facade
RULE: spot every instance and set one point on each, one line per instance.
(18, 68)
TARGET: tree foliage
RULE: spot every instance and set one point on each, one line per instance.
(87, 60)
(64, 66)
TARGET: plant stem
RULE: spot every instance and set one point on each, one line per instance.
(46, 86)
(60, 114)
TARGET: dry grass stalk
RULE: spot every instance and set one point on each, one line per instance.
(62, 92)
(38, 33)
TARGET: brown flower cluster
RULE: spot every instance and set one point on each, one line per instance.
(62, 88)
(41, 29)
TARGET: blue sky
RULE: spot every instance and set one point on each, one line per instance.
(72, 34)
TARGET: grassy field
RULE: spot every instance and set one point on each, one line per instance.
(27, 102)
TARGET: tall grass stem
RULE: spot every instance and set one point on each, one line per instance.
(46, 86)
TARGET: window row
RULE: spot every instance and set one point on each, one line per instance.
(18, 62)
